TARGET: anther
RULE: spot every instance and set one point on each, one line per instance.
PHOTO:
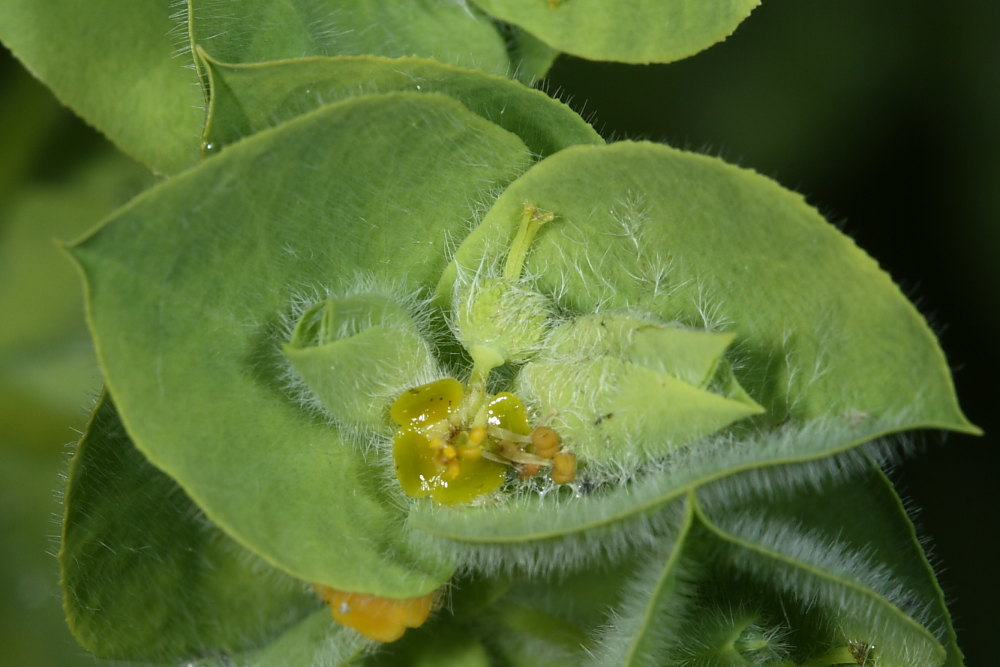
(470, 452)
(563, 468)
(545, 441)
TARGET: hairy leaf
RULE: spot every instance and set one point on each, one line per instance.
(802, 565)
(656, 597)
(191, 290)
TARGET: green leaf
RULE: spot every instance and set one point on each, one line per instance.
(638, 31)
(250, 98)
(119, 64)
(655, 598)
(690, 355)
(145, 576)
(602, 519)
(528, 637)
(821, 331)
(538, 622)
(192, 288)
(842, 546)
(247, 31)
(691, 609)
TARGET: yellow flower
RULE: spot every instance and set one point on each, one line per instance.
(454, 445)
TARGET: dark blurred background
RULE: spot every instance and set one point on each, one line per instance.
(883, 114)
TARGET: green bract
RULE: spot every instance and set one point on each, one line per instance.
(248, 31)
(199, 318)
(600, 374)
(403, 327)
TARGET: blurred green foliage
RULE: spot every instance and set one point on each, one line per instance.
(57, 178)
(885, 111)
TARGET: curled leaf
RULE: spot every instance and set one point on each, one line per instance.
(354, 354)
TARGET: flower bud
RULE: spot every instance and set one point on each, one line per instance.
(623, 389)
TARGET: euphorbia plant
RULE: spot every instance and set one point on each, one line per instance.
(406, 344)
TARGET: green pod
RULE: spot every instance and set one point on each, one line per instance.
(624, 389)
(351, 356)
(499, 321)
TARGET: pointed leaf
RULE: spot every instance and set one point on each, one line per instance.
(596, 375)
(690, 355)
(639, 31)
(188, 286)
(610, 423)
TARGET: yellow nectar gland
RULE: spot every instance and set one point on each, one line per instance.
(453, 450)
(380, 619)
